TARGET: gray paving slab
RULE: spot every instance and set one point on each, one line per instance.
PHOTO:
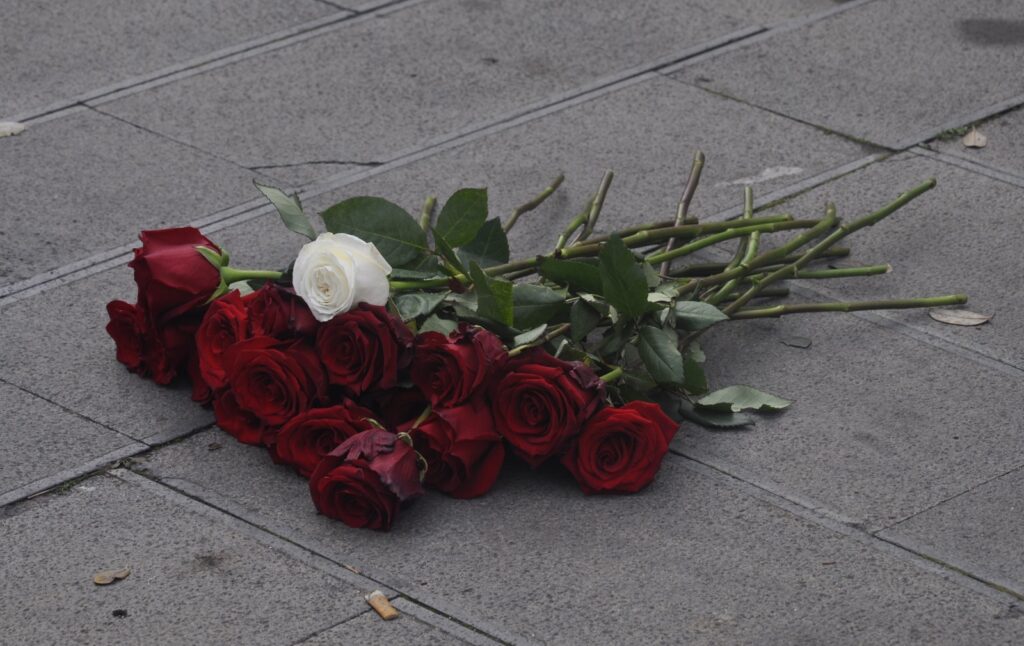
(691, 560)
(368, 628)
(963, 236)
(979, 531)
(374, 87)
(86, 182)
(43, 444)
(1004, 148)
(893, 73)
(883, 426)
(645, 132)
(193, 580)
(62, 49)
(55, 345)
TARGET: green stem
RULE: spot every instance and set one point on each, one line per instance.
(232, 275)
(853, 306)
(534, 203)
(611, 376)
(684, 203)
(708, 241)
(427, 213)
(574, 224)
(745, 251)
(596, 206)
(844, 272)
(709, 268)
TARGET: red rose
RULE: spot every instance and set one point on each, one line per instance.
(169, 347)
(309, 437)
(277, 311)
(620, 449)
(173, 278)
(449, 369)
(201, 391)
(273, 379)
(463, 451)
(540, 402)
(364, 349)
(126, 328)
(238, 422)
(225, 323)
(363, 481)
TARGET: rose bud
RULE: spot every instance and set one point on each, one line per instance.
(364, 480)
(337, 271)
(540, 402)
(620, 449)
(277, 311)
(126, 329)
(308, 437)
(364, 349)
(224, 324)
(173, 278)
(236, 421)
(273, 379)
(463, 451)
(449, 369)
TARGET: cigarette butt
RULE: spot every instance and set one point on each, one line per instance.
(380, 603)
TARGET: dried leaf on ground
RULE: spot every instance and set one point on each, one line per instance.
(959, 317)
(974, 139)
(8, 128)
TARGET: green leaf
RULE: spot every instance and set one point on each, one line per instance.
(462, 216)
(434, 323)
(290, 209)
(737, 398)
(488, 248)
(493, 296)
(622, 279)
(697, 315)
(414, 274)
(394, 232)
(650, 275)
(695, 381)
(418, 304)
(448, 253)
(577, 276)
(660, 355)
(530, 335)
(615, 338)
(534, 304)
(583, 318)
(711, 418)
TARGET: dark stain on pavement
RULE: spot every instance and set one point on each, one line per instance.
(983, 31)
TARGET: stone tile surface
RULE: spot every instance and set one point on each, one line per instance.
(964, 236)
(192, 577)
(646, 132)
(689, 560)
(979, 531)
(1004, 149)
(41, 440)
(883, 71)
(368, 628)
(369, 89)
(57, 50)
(55, 345)
(882, 426)
(86, 182)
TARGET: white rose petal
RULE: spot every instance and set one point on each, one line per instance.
(337, 271)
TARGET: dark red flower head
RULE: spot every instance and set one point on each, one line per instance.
(364, 349)
(273, 379)
(310, 436)
(173, 278)
(225, 323)
(450, 369)
(277, 311)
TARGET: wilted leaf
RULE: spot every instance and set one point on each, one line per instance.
(974, 139)
(959, 317)
(737, 398)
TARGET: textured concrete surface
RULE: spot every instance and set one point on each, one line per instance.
(57, 50)
(190, 575)
(883, 507)
(87, 182)
(882, 71)
(689, 560)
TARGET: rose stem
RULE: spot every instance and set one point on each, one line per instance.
(684, 203)
(772, 292)
(596, 206)
(854, 306)
(841, 232)
(642, 236)
(843, 272)
(611, 376)
(534, 203)
(232, 275)
(745, 252)
(707, 241)
(709, 268)
(428, 212)
(574, 224)
(553, 333)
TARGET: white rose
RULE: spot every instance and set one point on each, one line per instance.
(337, 271)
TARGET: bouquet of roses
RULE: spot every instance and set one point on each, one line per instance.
(397, 352)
